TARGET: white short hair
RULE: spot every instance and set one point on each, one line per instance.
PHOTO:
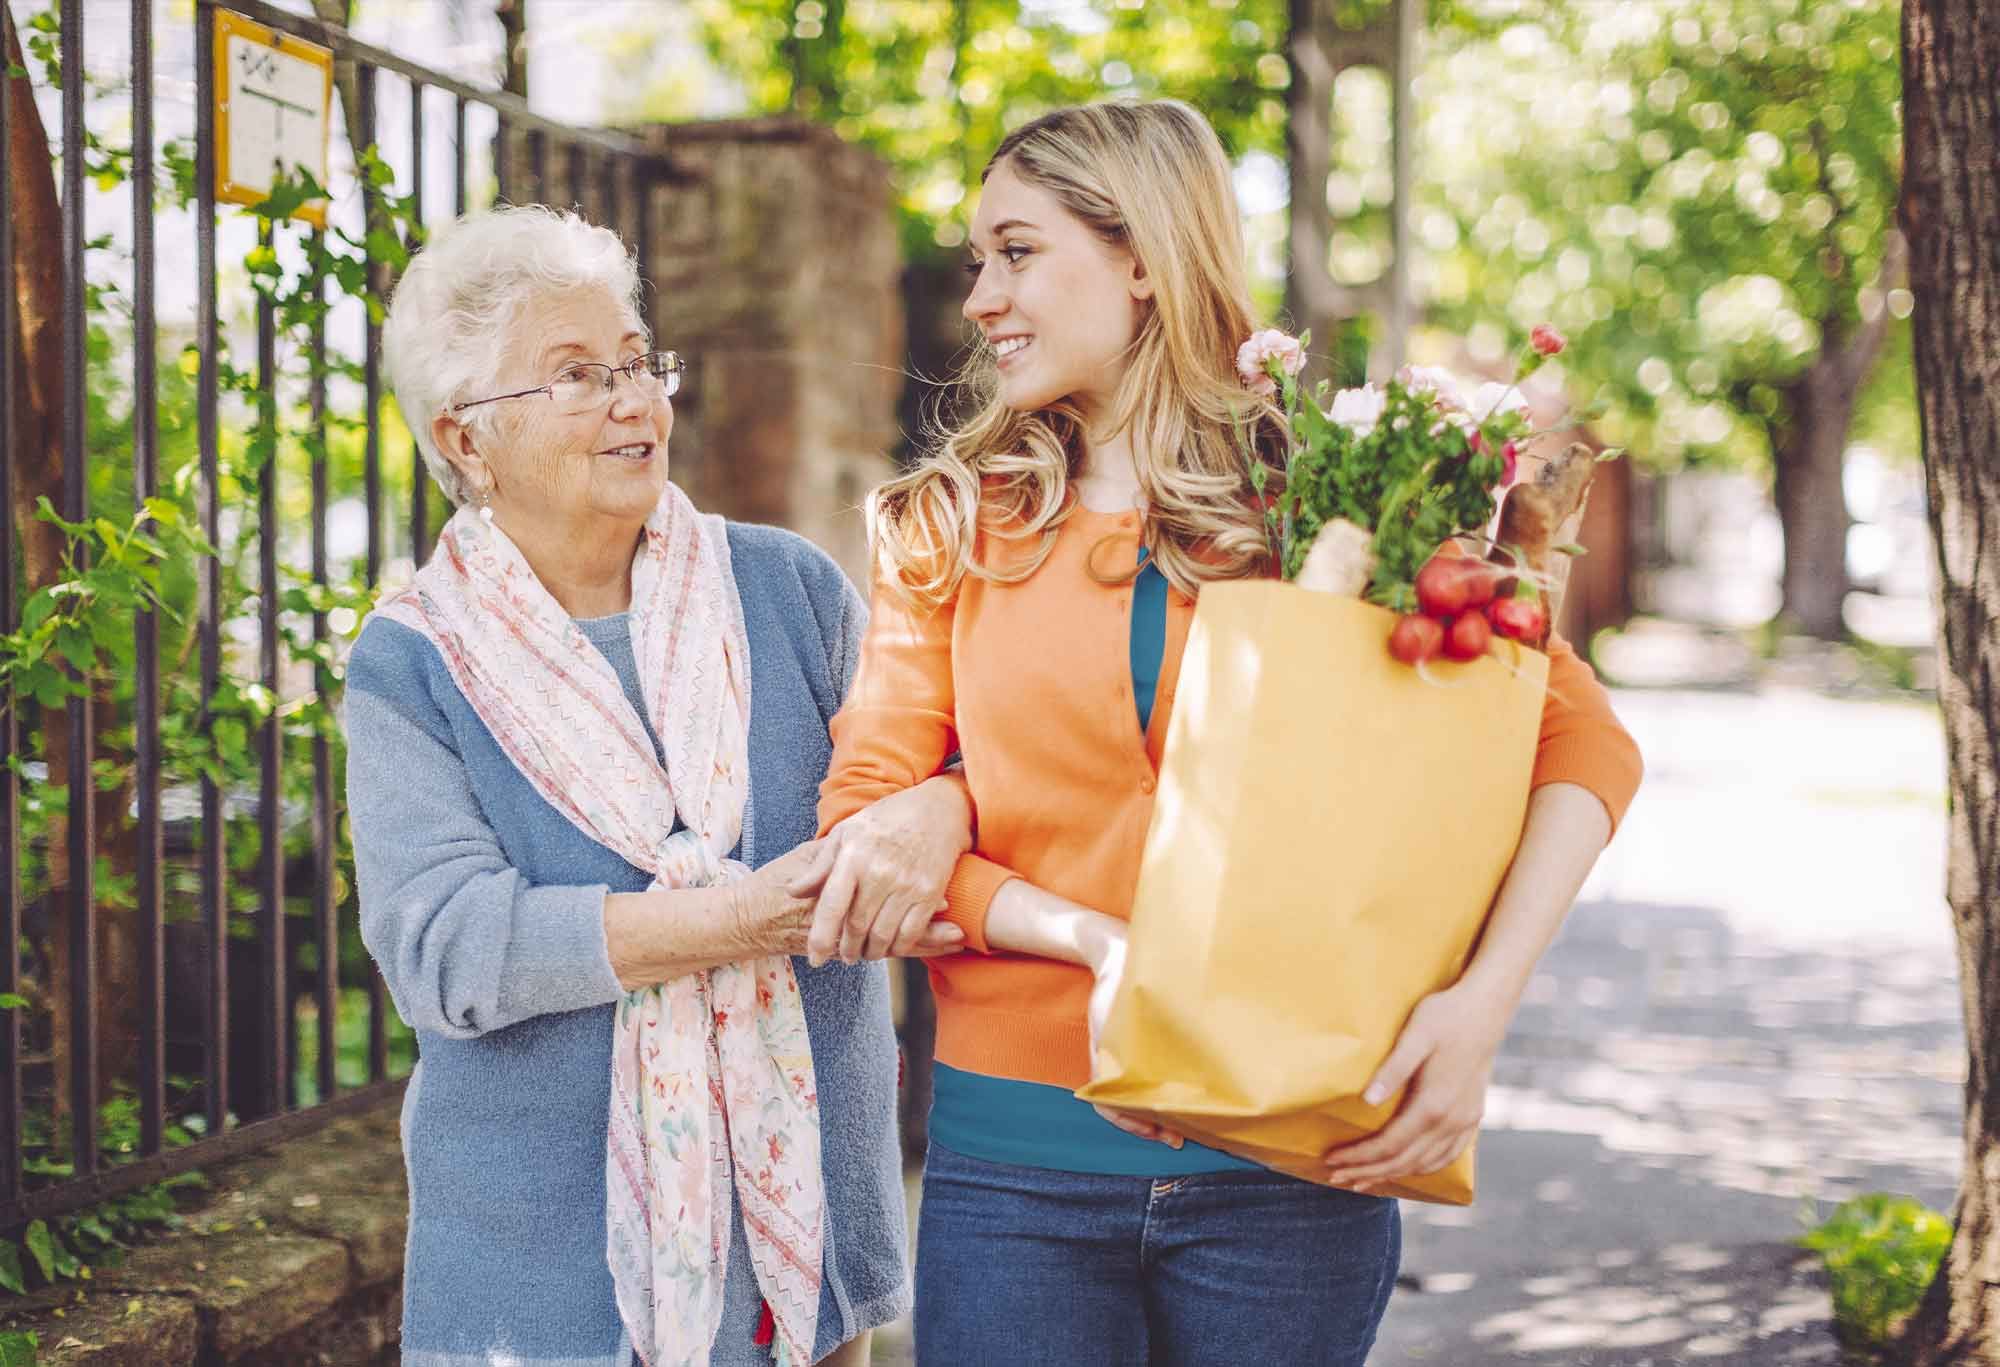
(460, 299)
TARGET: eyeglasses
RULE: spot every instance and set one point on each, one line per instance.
(582, 385)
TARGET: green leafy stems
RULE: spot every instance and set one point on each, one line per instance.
(1405, 461)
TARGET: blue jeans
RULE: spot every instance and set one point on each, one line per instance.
(1031, 1267)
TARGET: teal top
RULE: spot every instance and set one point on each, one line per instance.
(1149, 635)
(1033, 1124)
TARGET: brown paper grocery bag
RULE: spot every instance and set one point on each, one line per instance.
(1330, 831)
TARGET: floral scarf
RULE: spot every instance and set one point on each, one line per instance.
(712, 1072)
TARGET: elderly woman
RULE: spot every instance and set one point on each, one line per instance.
(584, 748)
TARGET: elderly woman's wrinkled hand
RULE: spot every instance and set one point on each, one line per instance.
(775, 908)
(881, 874)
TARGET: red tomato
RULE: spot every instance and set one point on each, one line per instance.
(1452, 583)
(1521, 619)
(1468, 637)
(1415, 638)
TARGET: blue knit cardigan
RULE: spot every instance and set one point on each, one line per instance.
(483, 906)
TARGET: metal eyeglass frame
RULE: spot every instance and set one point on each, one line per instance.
(665, 366)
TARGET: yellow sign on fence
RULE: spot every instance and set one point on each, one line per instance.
(273, 111)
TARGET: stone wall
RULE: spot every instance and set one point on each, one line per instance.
(776, 270)
(291, 1257)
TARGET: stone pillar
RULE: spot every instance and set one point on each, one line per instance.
(776, 270)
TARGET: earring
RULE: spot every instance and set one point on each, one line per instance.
(484, 499)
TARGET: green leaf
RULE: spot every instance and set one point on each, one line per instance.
(230, 737)
(380, 243)
(10, 1274)
(12, 1001)
(38, 609)
(19, 1347)
(68, 1267)
(41, 1248)
(78, 648)
(1572, 549)
(46, 510)
(90, 1223)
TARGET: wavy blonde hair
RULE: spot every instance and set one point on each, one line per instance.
(1150, 177)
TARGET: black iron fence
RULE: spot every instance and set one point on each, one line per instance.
(267, 984)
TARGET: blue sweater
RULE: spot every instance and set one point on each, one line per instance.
(483, 907)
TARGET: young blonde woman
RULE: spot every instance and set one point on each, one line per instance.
(1036, 578)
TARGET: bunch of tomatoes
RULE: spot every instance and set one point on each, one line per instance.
(1462, 604)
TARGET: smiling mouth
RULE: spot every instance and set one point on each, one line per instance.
(1008, 347)
(637, 451)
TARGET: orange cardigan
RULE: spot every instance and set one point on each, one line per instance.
(1031, 684)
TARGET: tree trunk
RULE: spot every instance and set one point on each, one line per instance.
(1311, 298)
(37, 285)
(1808, 452)
(514, 24)
(1812, 507)
(1951, 219)
(38, 473)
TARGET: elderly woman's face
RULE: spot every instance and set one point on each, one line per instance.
(608, 460)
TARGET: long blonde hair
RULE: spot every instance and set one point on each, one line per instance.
(1152, 178)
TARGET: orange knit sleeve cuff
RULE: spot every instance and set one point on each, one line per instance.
(969, 895)
(1611, 771)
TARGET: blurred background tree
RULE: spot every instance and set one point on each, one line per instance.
(1701, 195)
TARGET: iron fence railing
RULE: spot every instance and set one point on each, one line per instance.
(608, 176)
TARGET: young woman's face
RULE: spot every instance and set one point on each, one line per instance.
(1059, 306)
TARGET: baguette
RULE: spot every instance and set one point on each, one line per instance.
(1537, 516)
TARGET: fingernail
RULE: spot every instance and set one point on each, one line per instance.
(1373, 1096)
(952, 932)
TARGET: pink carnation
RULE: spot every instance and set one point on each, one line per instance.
(1435, 381)
(1546, 340)
(1254, 356)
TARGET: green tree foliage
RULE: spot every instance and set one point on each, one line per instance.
(933, 85)
(1699, 191)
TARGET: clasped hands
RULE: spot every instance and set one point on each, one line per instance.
(877, 880)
